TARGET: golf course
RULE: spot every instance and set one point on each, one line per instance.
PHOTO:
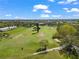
(22, 43)
(39, 29)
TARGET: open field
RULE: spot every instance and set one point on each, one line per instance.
(21, 37)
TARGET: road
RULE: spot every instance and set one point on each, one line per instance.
(57, 48)
(48, 50)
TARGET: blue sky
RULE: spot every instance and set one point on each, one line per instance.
(39, 9)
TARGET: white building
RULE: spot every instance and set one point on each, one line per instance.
(7, 28)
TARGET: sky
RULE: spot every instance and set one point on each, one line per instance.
(39, 9)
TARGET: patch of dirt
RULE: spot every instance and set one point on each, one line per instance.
(41, 34)
(57, 40)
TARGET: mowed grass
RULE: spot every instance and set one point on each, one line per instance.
(11, 48)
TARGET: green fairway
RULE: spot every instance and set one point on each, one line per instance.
(21, 37)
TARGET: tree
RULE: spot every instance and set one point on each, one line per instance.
(43, 46)
(36, 28)
(67, 32)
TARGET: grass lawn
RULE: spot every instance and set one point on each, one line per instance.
(23, 38)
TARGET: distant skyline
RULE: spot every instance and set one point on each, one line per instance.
(39, 9)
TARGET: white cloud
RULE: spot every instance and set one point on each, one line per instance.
(51, 0)
(44, 15)
(61, 2)
(66, 9)
(68, 2)
(48, 11)
(8, 15)
(71, 10)
(17, 17)
(77, 15)
(57, 16)
(40, 7)
(34, 10)
(75, 3)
